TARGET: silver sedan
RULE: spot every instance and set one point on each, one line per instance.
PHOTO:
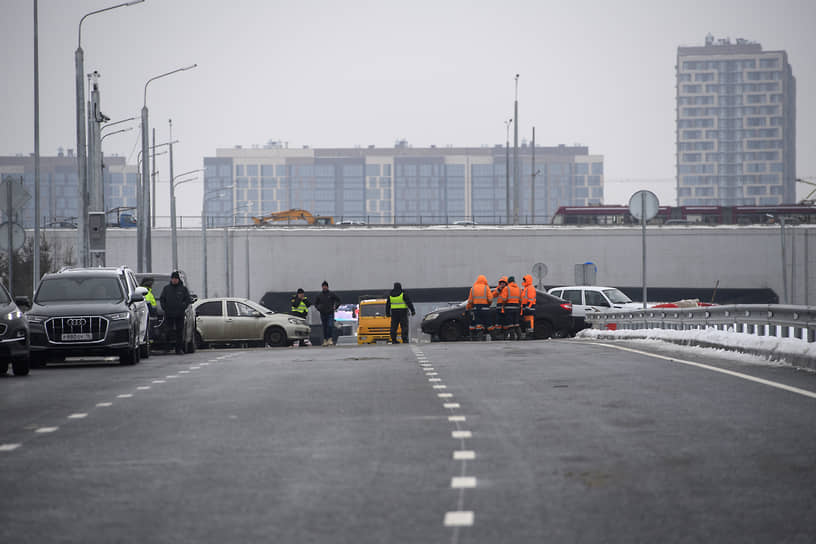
(239, 320)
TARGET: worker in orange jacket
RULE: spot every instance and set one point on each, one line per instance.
(528, 301)
(500, 295)
(479, 302)
(512, 310)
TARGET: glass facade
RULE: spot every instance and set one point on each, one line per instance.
(735, 129)
(404, 186)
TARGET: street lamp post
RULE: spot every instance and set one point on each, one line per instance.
(204, 230)
(507, 170)
(173, 227)
(532, 183)
(143, 201)
(516, 191)
(82, 165)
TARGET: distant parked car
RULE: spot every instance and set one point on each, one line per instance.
(238, 320)
(14, 346)
(553, 320)
(593, 298)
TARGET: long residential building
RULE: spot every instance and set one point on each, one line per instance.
(736, 125)
(398, 185)
(59, 187)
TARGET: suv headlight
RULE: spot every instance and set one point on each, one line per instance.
(297, 321)
(16, 314)
(431, 316)
(119, 316)
(35, 318)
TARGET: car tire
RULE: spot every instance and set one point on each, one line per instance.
(450, 331)
(275, 337)
(129, 356)
(144, 349)
(561, 333)
(543, 329)
(200, 344)
(20, 367)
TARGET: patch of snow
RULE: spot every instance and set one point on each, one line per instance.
(760, 348)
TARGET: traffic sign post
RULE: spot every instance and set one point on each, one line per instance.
(643, 205)
(540, 270)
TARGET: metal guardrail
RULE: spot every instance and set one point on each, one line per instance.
(774, 320)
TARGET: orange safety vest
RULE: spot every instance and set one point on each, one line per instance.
(479, 294)
(500, 295)
(528, 296)
(513, 294)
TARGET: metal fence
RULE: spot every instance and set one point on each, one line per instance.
(775, 320)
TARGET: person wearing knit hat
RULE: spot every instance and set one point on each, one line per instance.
(299, 306)
(175, 298)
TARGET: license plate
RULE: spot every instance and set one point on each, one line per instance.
(73, 337)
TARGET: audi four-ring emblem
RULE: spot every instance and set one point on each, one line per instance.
(75, 322)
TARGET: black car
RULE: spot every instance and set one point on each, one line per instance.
(88, 312)
(14, 345)
(553, 320)
(161, 336)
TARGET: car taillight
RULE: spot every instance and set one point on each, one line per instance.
(567, 306)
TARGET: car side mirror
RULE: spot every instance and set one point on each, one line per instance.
(141, 290)
(22, 302)
(136, 297)
(193, 297)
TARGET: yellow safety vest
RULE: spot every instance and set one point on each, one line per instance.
(149, 297)
(398, 302)
(300, 308)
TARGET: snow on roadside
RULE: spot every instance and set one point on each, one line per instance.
(771, 348)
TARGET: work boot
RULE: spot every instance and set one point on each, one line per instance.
(329, 342)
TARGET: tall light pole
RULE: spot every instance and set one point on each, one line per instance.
(36, 271)
(516, 192)
(532, 183)
(204, 229)
(173, 184)
(143, 201)
(507, 170)
(82, 165)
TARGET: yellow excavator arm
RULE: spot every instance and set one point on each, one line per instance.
(293, 215)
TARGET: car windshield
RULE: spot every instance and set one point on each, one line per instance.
(616, 297)
(372, 310)
(263, 309)
(84, 288)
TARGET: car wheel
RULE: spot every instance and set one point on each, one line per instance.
(129, 356)
(450, 331)
(144, 349)
(20, 367)
(275, 336)
(199, 342)
(543, 330)
(561, 333)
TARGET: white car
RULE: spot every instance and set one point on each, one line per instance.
(593, 298)
(238, 320)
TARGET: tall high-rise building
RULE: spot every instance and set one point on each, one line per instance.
(399, 185)
(736, 125)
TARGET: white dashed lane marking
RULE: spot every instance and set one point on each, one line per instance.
(104, 404)
(124, 396)
(445, 395)
(464, 455)
(43, 430)
(143, 388)
(434, 379)
(184, 371)
(170, 377)
(440, 386)
(456, 418)
(461, 434)
(9, 447)
(460, 482)
(459, 519)
(159, 381)
(451, 405)
(77, 416)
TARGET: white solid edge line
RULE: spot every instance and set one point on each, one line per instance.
(9, 447)
(459, 519)
(789, 388)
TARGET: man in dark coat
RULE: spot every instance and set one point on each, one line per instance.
(326, 303)
(175, 298)
(397, 307)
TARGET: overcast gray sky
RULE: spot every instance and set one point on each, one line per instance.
(328, 73)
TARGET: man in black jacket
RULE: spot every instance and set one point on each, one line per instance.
(326, 303)
(174, 301)
(397, 307)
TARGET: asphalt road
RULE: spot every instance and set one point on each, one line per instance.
(551, 441)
